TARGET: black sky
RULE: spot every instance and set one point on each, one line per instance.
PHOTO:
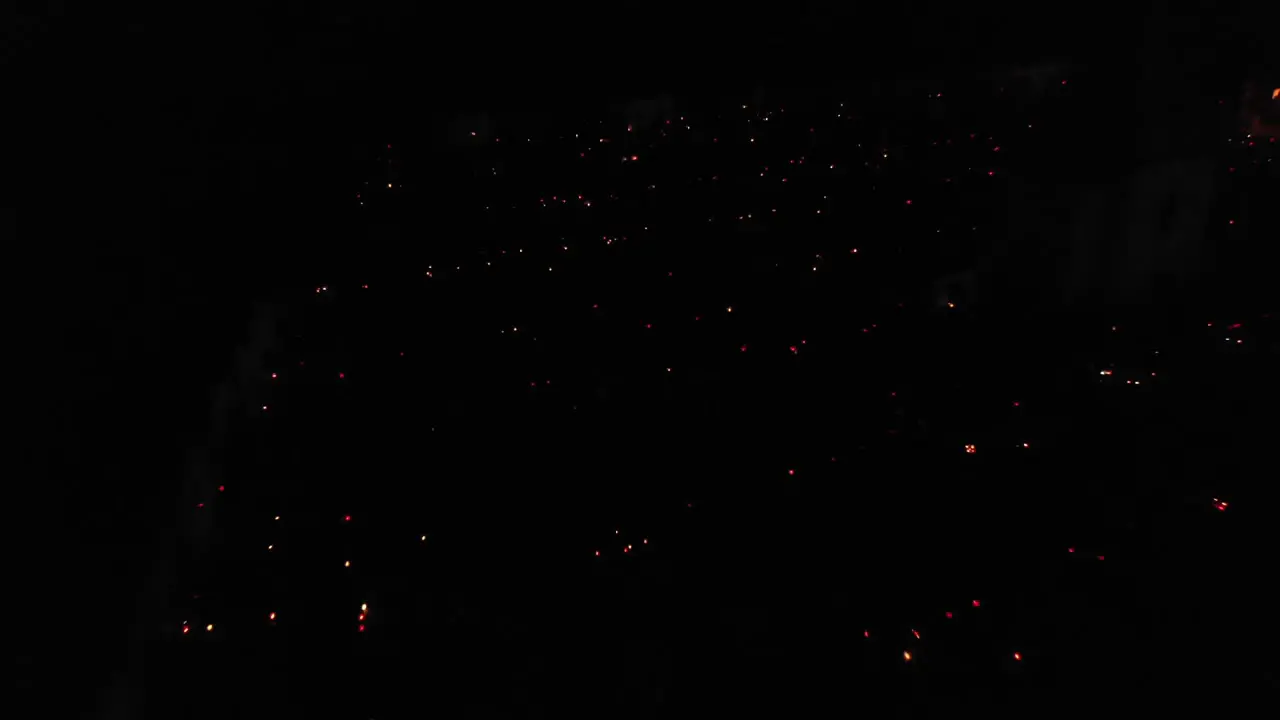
(170, 167)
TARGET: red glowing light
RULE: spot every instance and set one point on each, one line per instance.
(866, 633)
(1017, 656)
(908, 202)
(1102, 557)
(186, 629)
(977, 603)
(948, 614)
(1071, 549)
(274, 376)
(342, 376)
(272, 616)
(222, 488)
(361, 628)
(597, 553)
(791, 472)
(346, 518)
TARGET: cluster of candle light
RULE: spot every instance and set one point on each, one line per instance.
(613, 239)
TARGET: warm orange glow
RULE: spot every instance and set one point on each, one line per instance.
(1017, 656)
(346, 564)
(272, 616)
(209, 627)
(1275, 94)
(906, 655)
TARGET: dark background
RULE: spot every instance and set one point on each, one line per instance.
(174, 173)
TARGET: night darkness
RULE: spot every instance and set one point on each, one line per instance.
(647, 361)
